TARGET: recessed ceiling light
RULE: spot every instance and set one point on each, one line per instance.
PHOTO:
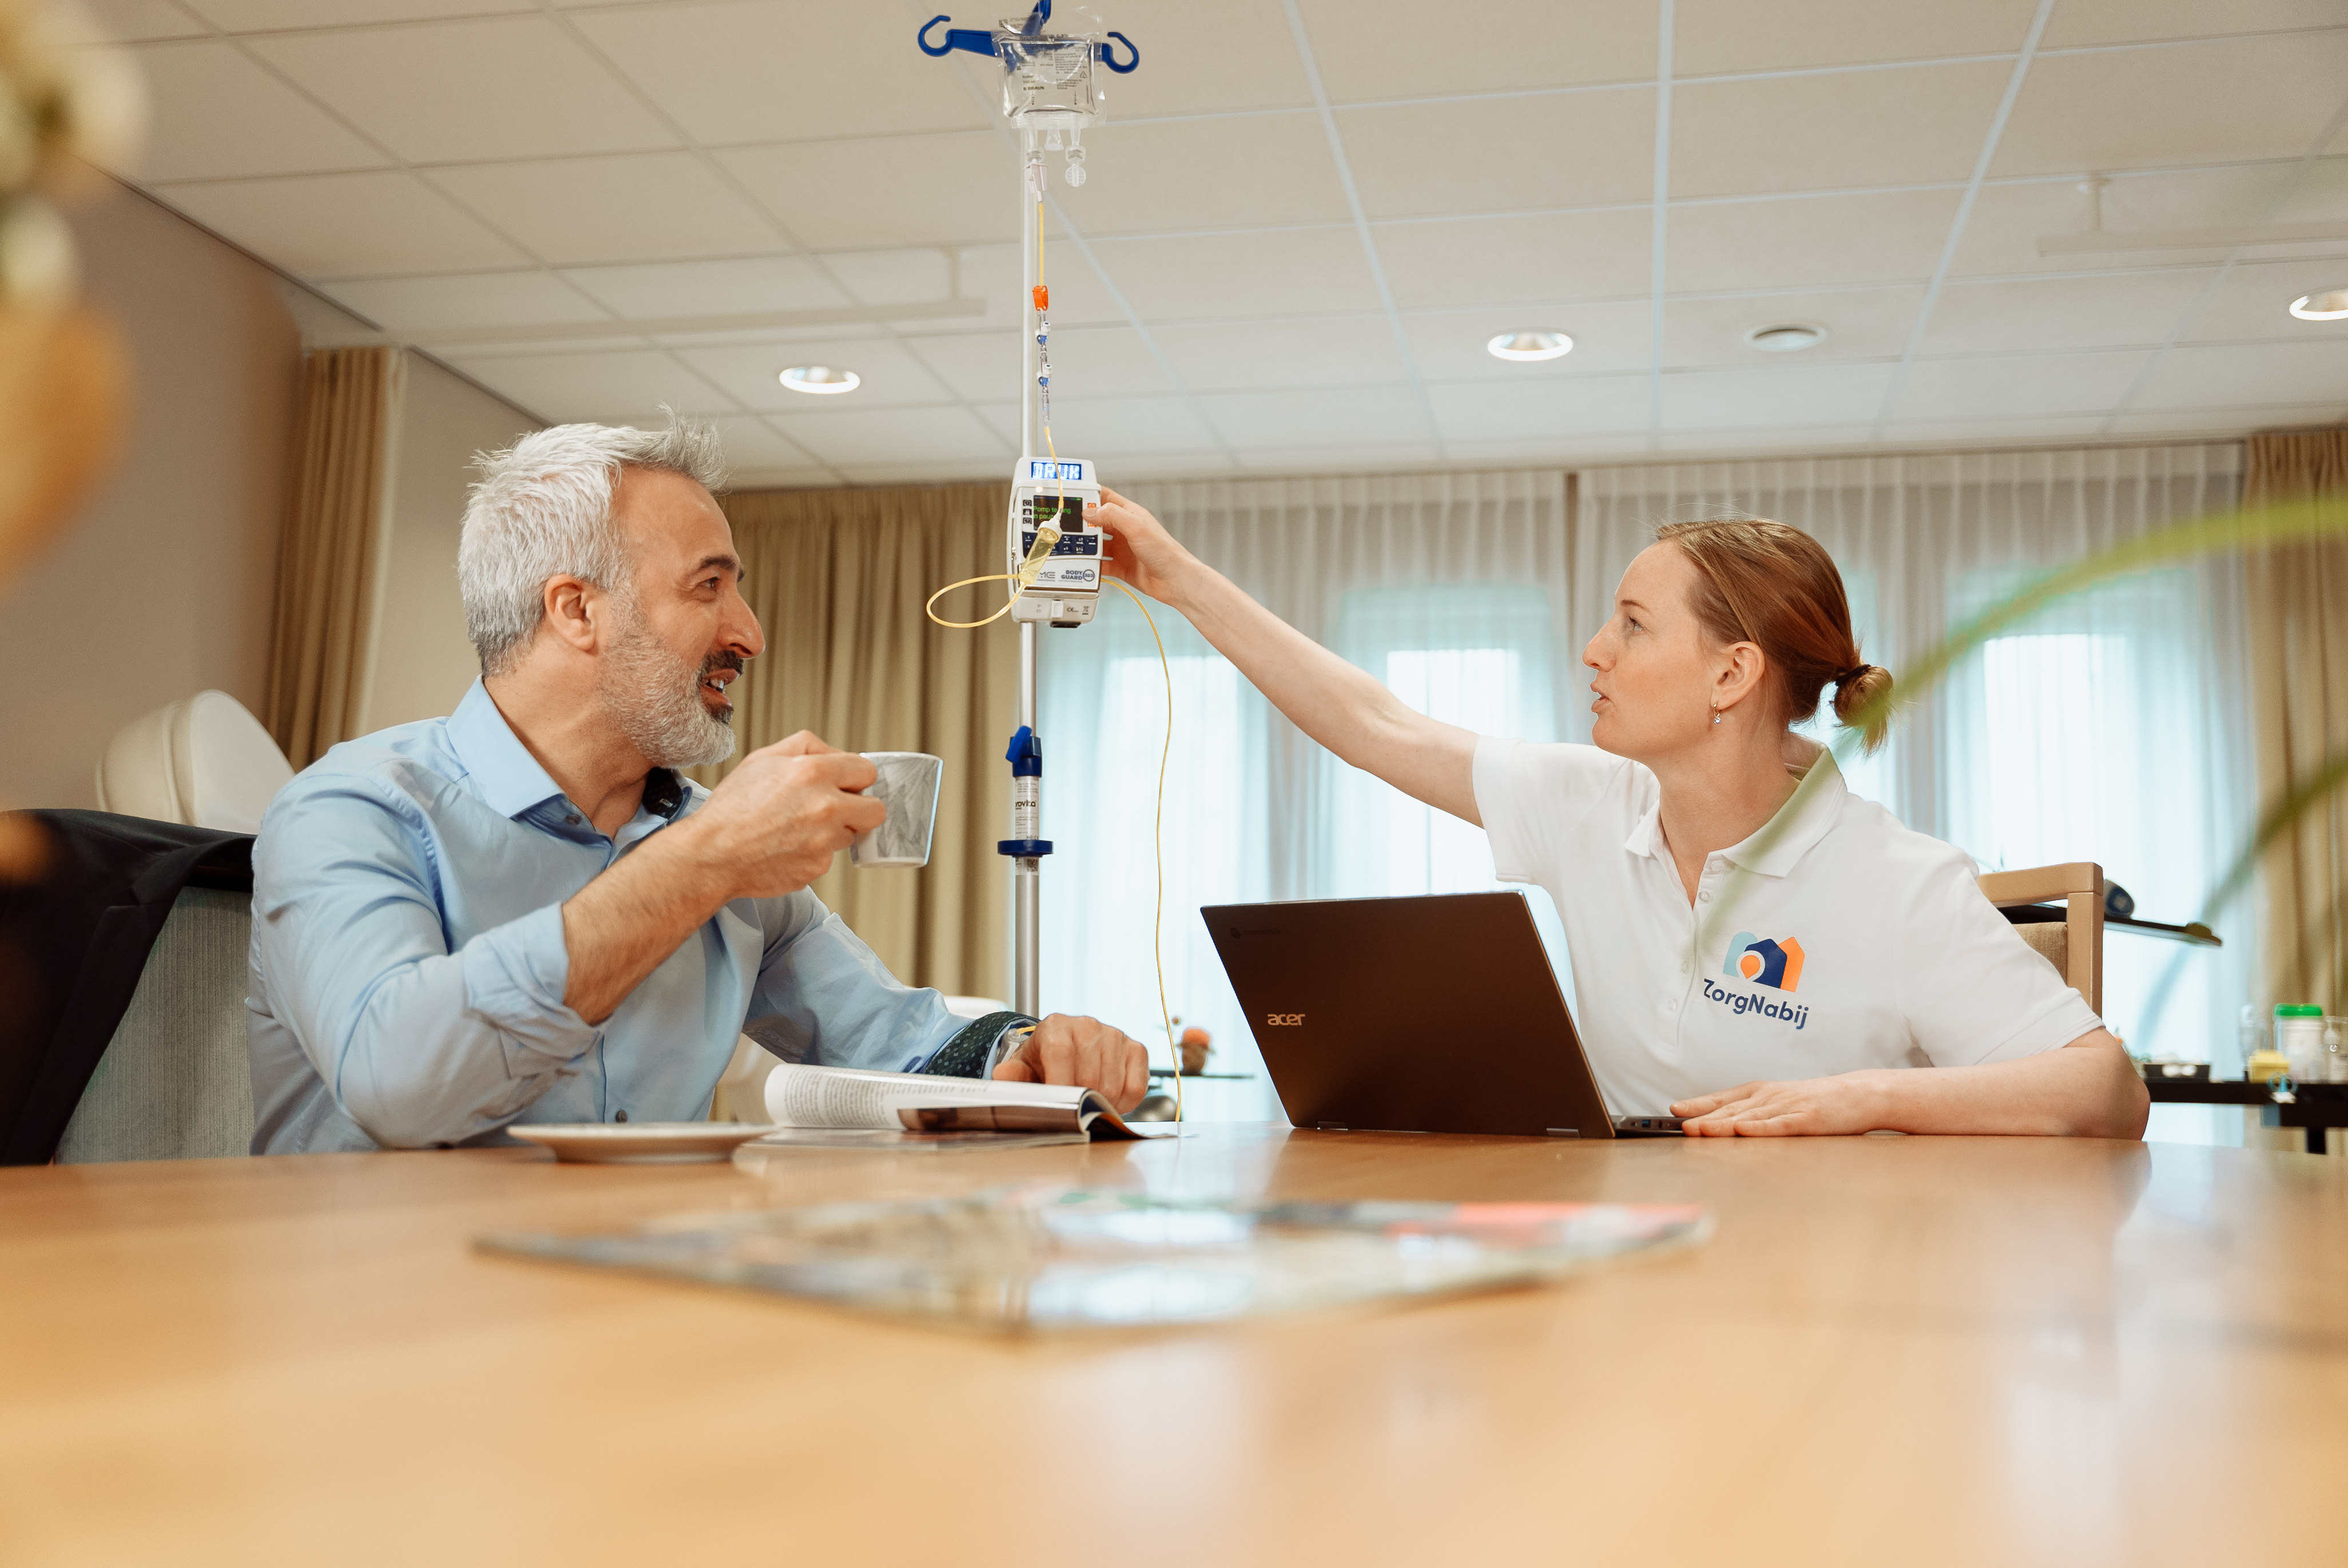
(1787, 337)
(1530, 345)
(2327, 306)
(820, 378)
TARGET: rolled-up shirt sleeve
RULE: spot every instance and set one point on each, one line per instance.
(824, 997)
(419, 1045)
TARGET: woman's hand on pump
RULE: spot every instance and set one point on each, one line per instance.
(1146, 556)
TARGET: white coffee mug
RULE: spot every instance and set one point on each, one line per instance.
(908, 786)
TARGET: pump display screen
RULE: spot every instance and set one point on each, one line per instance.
(1064, 513)
(1041, 471)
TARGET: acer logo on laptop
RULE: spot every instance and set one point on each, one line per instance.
(1284, 1020)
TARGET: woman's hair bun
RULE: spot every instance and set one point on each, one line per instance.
(1863, 701)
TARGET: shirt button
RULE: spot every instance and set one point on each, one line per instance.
(1705, 896)
(620, 1116)
(1683, 966)
(571, 820)
(1672, 1005)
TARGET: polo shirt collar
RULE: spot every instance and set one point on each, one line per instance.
(1800, 823)
(499, 765)
(1781, 841)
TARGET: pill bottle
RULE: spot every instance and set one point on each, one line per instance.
(2299, 1041)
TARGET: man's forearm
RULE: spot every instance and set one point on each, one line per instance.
(623, 924)
(2086, 1089)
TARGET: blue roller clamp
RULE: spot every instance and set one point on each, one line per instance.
(973, 41)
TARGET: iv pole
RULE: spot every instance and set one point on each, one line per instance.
(1026, 870)
(1025, 847)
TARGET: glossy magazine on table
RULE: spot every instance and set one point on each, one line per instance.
(1052, 1259)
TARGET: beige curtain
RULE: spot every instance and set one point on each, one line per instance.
(329, 561)
(838, 579)
(2299, 648)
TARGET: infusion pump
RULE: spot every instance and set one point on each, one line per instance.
(1048, 493)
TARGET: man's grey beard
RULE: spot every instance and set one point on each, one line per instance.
(655, 699)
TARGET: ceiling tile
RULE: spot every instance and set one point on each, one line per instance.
(2250, 373)
(754, 447)
(762, 72)
(1189, 64)
(1143, 468)
(1862, 324)
(887, 190)
(1251, 171)
(466, 91)
(889, 375)
(1347, 351)
(897, 277)
(285, 16)
(1808, 241)
(1304, 272)
(1773, 394)
(1376, 49)
(1580, 150)
(1837, 132)
(900, 436)
(1707, 444)
(1547, 410)
(566, 387)
(274, 130)
(2002, 232)
(2041, 314)
(1722, 37)
(2213, 102)
(2228, 424)
(137, 21)
(1252, 420)
(2009, 386)
(2012, 429)
(326, 225)
(468, 299)
(1084, 427)
(1457, 261)
(631, 207)
(710, 288)
(1449, 345)
(1385, 457)
(2252, 301)
(1087, 362)
(2077, 22)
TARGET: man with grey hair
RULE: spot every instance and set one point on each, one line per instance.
(521, 913)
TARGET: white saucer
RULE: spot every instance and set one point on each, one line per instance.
(641, 1142)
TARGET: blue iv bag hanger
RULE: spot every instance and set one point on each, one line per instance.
(973, 41)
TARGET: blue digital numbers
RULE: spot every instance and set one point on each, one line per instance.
(1043, 470)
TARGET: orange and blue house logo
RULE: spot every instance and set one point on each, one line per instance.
(1777, 964)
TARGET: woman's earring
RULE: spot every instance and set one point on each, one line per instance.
(1715, 712)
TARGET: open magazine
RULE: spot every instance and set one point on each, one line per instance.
(801, 1097)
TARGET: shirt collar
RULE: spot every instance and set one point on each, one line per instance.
(1781, 841)
(1800, 823)
(512, 781)
(499, 765)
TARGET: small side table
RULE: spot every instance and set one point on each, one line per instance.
(2316, 1106)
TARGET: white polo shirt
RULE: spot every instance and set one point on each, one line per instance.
(1833, 939)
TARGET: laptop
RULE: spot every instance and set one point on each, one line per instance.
(1437, 1014)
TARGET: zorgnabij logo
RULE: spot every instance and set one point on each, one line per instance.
(1764, 962)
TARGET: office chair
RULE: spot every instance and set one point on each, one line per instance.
(203, 761)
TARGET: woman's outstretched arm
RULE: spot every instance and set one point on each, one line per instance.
(1336, 703)
(2088, 1088)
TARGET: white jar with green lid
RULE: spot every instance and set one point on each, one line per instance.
(2299, 1036)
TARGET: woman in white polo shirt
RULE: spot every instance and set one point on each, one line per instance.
(1754, 948)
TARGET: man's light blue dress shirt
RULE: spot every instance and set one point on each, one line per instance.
(409, 961)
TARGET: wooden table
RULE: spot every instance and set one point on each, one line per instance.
(1906, 1350)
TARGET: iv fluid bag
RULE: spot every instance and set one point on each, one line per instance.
(1048, 79)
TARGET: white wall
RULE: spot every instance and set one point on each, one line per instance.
(163, 589)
